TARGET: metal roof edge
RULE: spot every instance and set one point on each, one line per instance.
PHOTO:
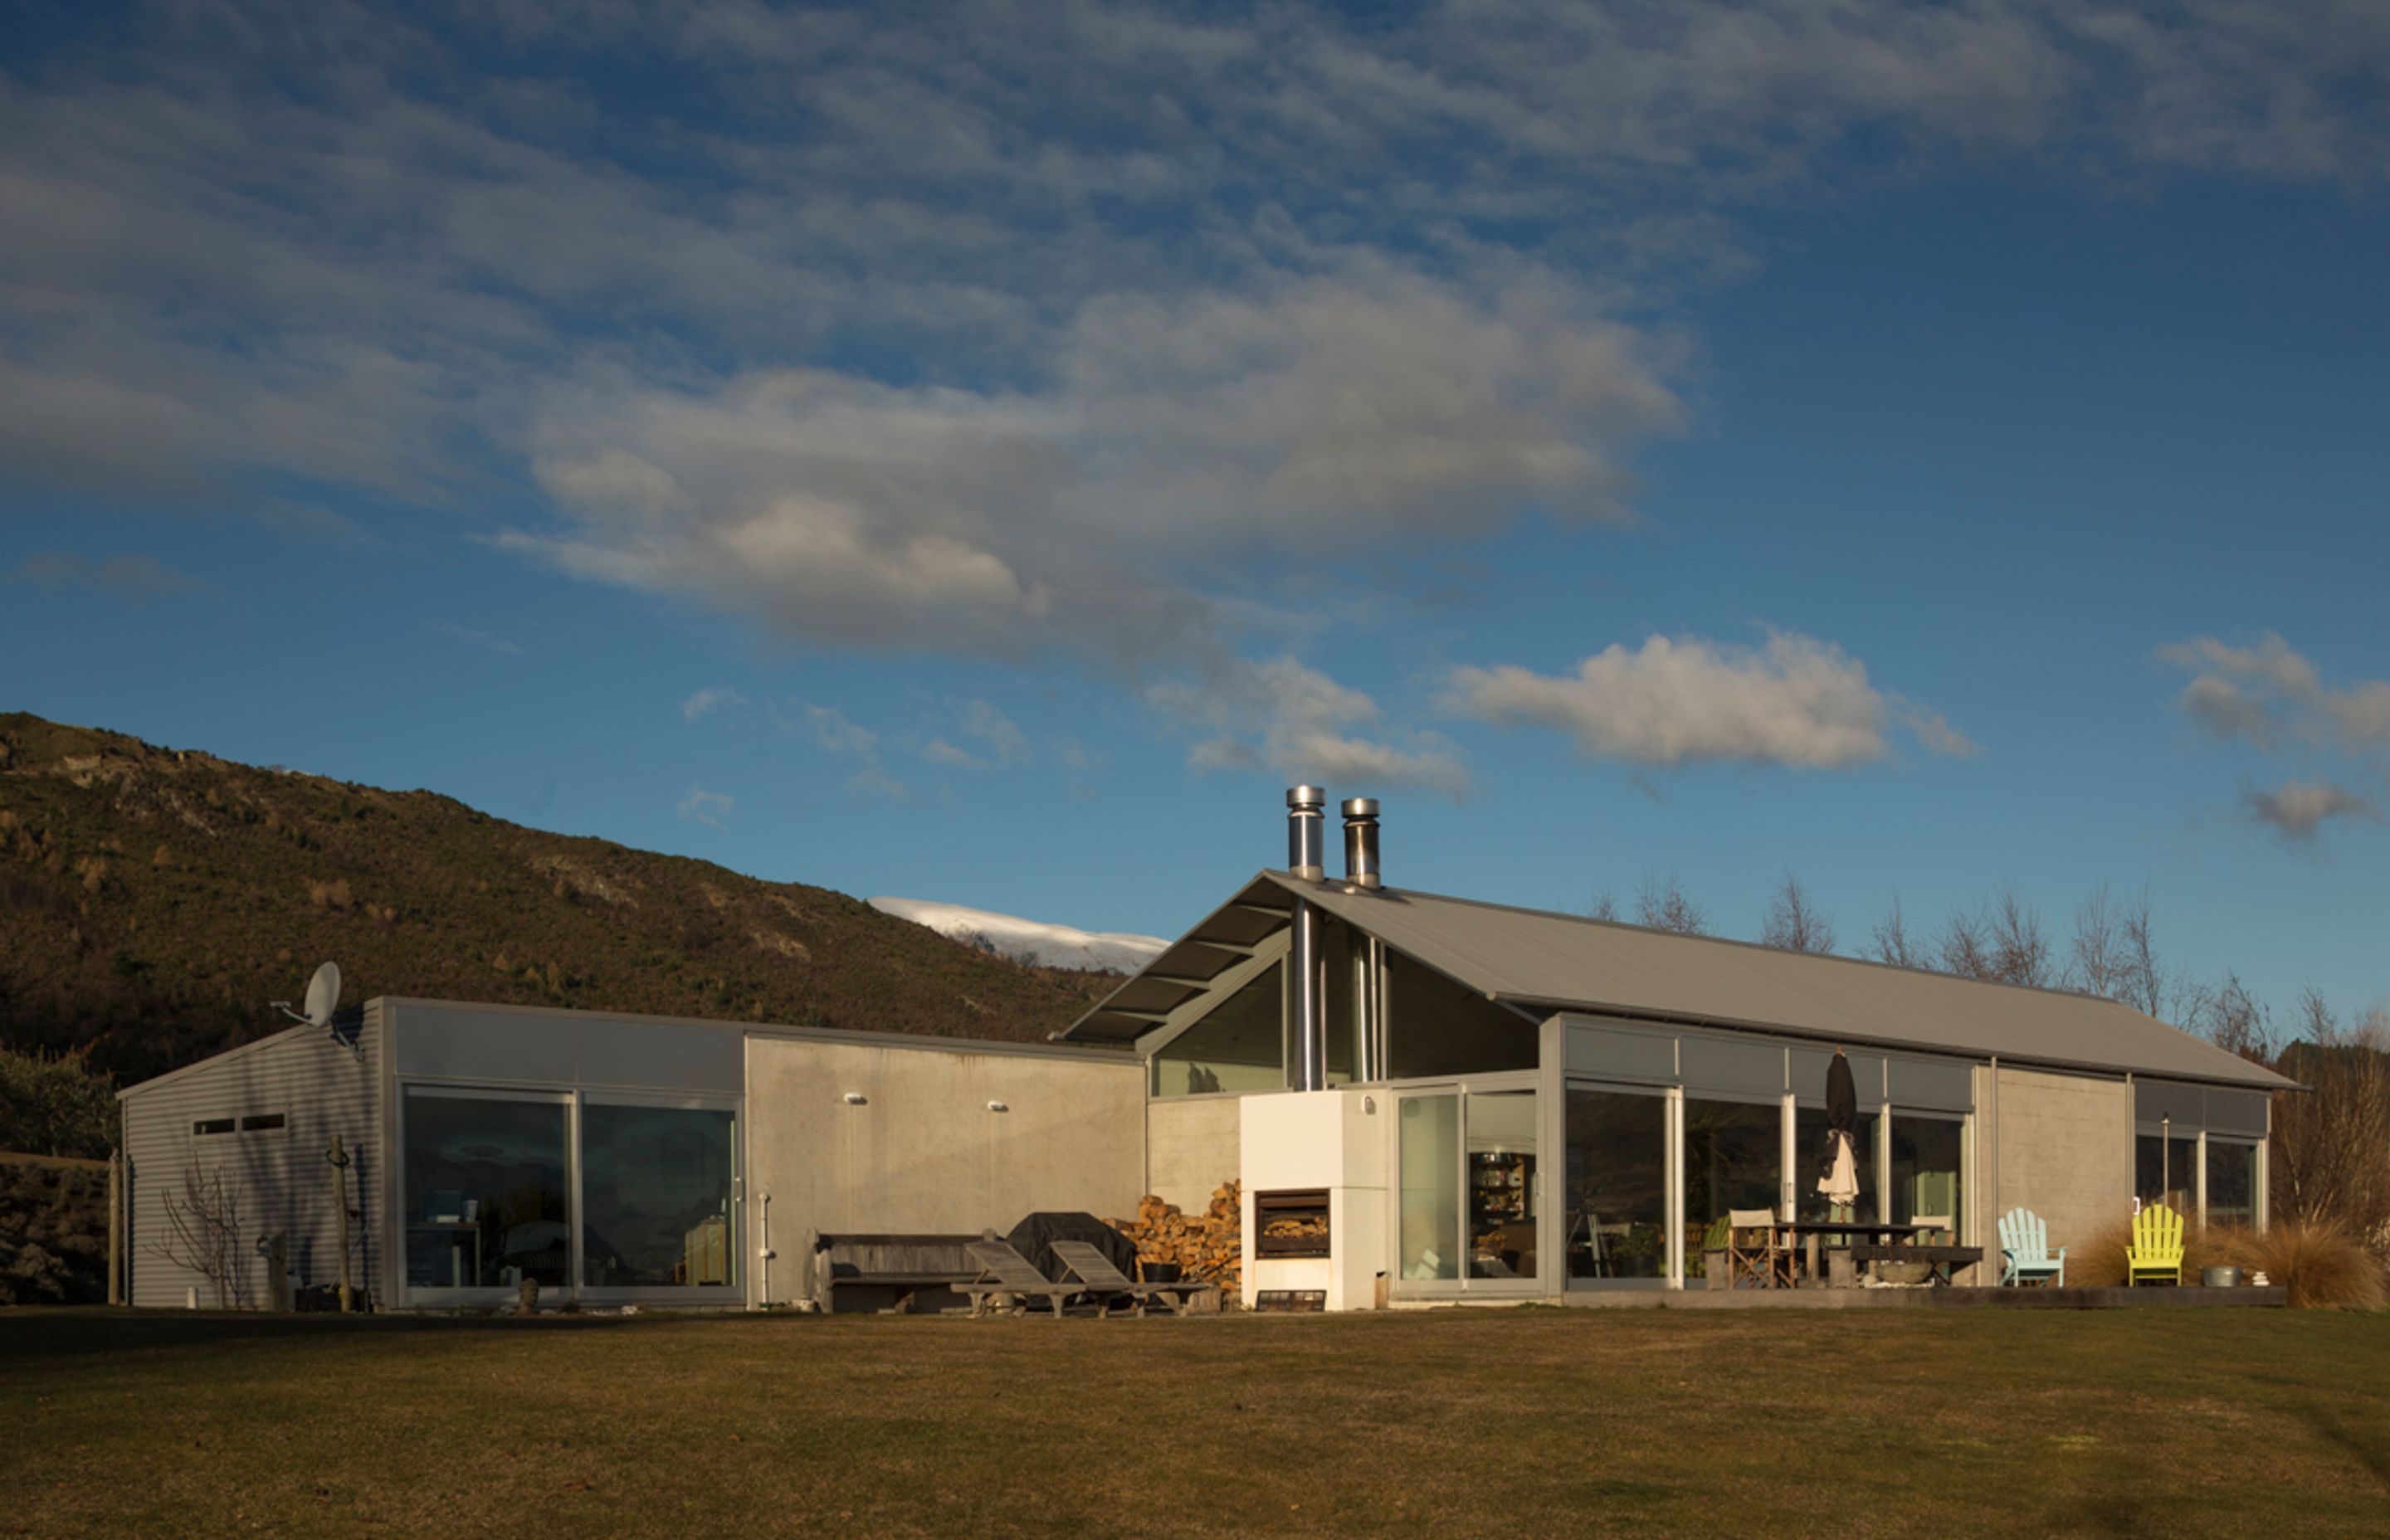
(239, 1051)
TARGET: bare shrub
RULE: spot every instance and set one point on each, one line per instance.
(203, 1235)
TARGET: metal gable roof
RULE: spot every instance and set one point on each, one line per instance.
(1566, 962)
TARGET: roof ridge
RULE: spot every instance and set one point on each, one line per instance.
(1293, 883)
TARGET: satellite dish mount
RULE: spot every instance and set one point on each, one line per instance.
(323, 998)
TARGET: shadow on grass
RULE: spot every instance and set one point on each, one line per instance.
(37, 1333)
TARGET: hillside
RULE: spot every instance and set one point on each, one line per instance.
(153, 900)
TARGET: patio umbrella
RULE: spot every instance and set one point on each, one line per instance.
(1839, 1181)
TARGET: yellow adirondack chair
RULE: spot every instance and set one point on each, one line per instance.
(2156, 1250)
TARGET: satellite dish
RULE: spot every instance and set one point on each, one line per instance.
(323, 997)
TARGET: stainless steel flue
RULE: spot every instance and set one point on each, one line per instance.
(1361, 842)
(1306, 834)
(1307, 1037)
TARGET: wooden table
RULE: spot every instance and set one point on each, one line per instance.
(1807, 1232)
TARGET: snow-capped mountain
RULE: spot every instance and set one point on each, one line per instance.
(1029, 940)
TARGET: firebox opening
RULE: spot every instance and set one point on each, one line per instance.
(1292, 1222)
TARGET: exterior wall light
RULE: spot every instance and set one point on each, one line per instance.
(857, 1099)
(998, 1106)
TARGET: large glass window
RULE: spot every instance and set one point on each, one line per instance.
(2231, 1182)
(1239, 1046)
(655, 1196)
(1617, 1185)
(2165, 1170)
(1809, 1158)
(1925, 1168)
(1435, 1027)
(1734, 1159)
(486, 1203)
(1502, 1184)
(1430, 1156)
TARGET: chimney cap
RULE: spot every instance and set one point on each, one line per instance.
(1360, 807)
(1306, 796)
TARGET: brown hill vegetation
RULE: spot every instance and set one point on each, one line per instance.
(153, 900)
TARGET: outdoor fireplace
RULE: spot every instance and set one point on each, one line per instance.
(1292, 1222)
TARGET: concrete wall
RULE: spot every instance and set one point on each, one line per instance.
(276, 1180)
(923, 1153)
(2064, 1148)
(1191, 1148)
(1331, 1139)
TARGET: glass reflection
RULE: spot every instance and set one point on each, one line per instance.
(485, 1194)
(1617, 1191)
(1430, 1157)
(2166, 1171)
(2231, 1182)
(1925, 1169)
(655, 1196)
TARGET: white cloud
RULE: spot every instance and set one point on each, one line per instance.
(2297, 809)
(706, 808)
(1794, 701)
(2267, 691)
(708, 698)
(1179, 443)
(1286, 717)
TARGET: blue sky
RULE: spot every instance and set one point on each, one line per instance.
(986, 456)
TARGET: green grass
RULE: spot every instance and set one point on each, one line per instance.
(1523, 1422)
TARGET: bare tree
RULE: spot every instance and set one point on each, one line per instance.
(2147, 984)
(2238, 1023)
(2097, 961)
(1603, 905)
(1794, 922)
(2020, 945)
(1964, 948)
(1889, 942)
(1664, 906)
(2331, 1146)
(203, 1235)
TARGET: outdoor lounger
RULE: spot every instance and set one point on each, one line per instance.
(1003, 1270)
(1108, 1282)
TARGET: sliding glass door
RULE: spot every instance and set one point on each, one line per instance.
(1467, 1190)
(587, 1195)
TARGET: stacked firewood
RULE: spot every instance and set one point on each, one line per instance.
(1209, 1245)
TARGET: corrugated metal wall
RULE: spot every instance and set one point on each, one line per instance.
(277, 1178)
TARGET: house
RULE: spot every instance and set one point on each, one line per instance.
(1426, 1098)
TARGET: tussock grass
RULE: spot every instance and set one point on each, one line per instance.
(2321, 1262)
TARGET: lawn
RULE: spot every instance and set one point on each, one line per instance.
(1517, 1422)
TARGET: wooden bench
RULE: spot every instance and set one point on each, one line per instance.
(905, 1266)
